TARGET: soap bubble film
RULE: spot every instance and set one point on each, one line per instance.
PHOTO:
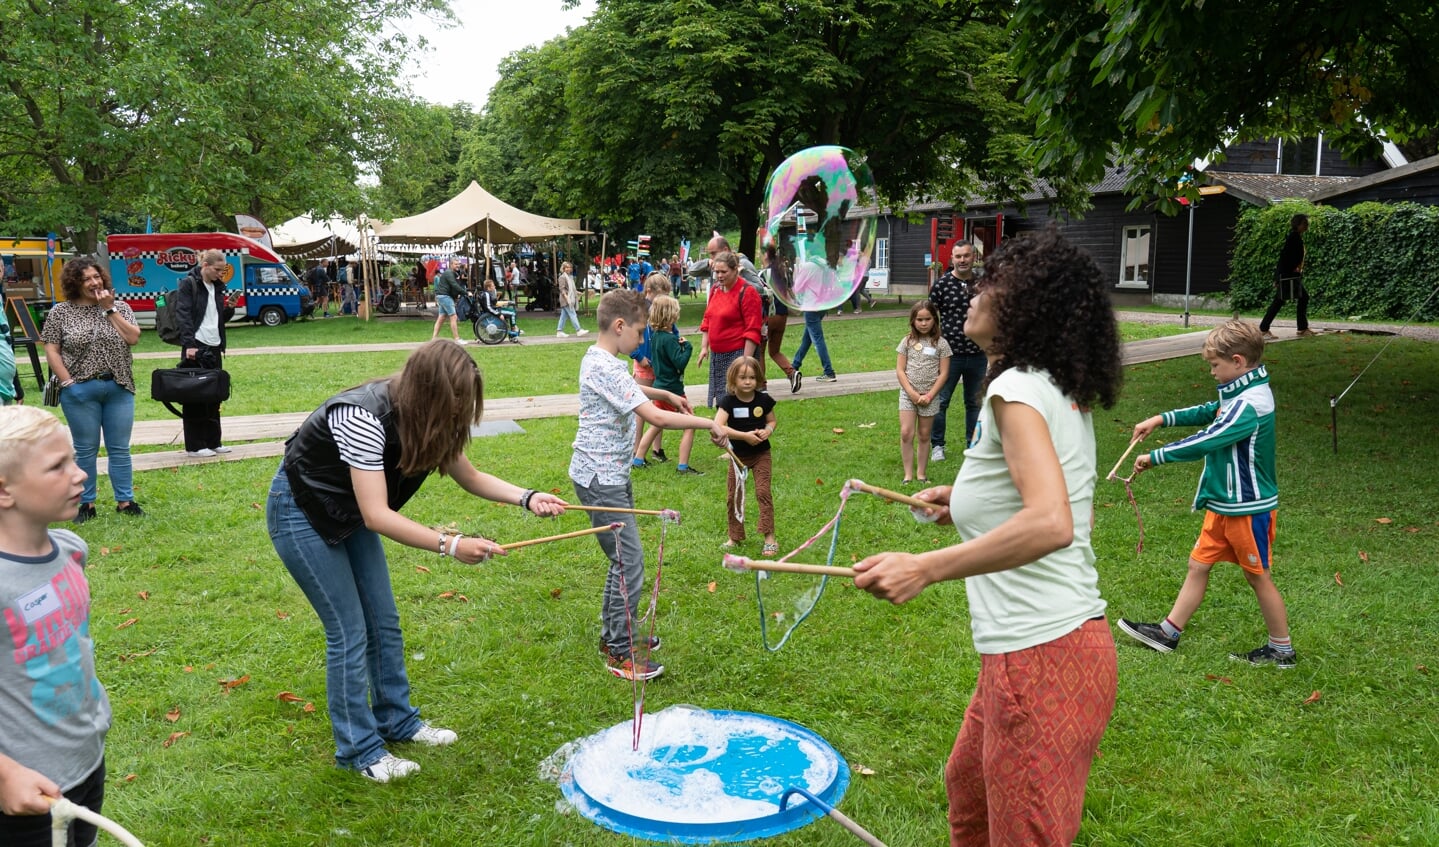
(818, 253)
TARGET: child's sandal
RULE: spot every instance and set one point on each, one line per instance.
(770, 549)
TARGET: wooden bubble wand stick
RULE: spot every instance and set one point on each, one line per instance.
(892, 496)
(743, 563)
(594, 530)
(671, 514)
(1114, 470)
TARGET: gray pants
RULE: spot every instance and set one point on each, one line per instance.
(627, 563)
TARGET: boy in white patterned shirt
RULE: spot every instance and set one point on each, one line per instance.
(610, 400)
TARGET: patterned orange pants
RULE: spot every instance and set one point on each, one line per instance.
(1017, 773)
(759, 471)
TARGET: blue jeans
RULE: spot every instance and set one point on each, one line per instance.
(971, 369)
(567, 312)
(366, 687)
(813, 334)
(96, 408)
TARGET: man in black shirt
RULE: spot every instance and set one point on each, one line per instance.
(951, 296)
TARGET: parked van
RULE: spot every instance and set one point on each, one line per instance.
(260, 285)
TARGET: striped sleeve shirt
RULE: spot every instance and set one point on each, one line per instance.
(359, 436)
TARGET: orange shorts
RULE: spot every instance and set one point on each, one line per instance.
(1243, 539)
(660, 404)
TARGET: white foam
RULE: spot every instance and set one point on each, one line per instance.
(668, 780)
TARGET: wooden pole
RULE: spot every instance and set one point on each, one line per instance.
(893, 496)
(594, 530)
(1114, 470)
(742, 563)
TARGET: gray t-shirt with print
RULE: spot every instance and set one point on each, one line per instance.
(52, 707)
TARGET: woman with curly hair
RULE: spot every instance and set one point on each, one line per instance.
(1022, 502)
(87, 345)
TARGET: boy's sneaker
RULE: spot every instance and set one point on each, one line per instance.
(433, 736)
(796, 379)
(660, 456)
(130, 509)
(1267, 655)
(689, 471)
(1151, 635)
(625, 667)
(936, 453)
(87, 512)
(389, 767)
(639, 463)
(826, 378)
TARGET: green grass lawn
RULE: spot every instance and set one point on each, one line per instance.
(300, 380)
(1201, 750)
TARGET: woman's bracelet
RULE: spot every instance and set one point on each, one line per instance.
(525, 498)
(66, 383)
(441, 548)
(455, 544)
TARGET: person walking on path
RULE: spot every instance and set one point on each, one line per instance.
(447, 288)
(951, 295)
(1289, 280)
(200, 312)
(569, 298)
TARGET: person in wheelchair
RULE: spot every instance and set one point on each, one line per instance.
(490, 304)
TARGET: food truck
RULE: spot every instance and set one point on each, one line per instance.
(261, 287)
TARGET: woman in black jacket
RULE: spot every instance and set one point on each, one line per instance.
(200, 312)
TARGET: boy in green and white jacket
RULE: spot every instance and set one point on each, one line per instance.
(1237, 490)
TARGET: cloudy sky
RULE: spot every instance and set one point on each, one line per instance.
(464, 62)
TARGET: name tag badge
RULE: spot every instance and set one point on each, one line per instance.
(930, 351)
(758, 412)
(38, 604)
(742, 412)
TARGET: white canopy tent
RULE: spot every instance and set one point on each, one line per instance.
(306, 238)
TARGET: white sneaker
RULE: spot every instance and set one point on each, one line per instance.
(458, 340)
(582, 332)
(562, 335)
(202, 453)
(389, 767)
(223, 449)
(936, 453)
(433, 736)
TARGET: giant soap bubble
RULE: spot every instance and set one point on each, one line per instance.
(818, 254)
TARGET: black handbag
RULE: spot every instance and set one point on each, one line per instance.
(189, 385)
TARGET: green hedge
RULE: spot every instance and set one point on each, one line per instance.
(1371, 261)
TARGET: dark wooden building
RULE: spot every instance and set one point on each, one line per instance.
(1151, 257)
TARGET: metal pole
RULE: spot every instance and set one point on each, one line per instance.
(1189, 263)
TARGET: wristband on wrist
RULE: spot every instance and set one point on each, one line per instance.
(454, 544)
(441, 548)
(66, 383)
(525, 498)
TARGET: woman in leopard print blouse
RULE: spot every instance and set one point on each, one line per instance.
(87, 345)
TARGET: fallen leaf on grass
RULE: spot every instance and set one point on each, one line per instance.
(189, 669)
(1424, 669)
(712, 587)
(838, 431)
(1363, 557)
(445, 595)
(309, 707)
(255, 506)
(282, 614)
(1411, 529)
(862, 770)
(422, 569)
(127, 622)
(555, 593)
(1385, 521)
(289, 697)
(869, 425)
(1337, 580)
(1312, 698)
(125, 657)
(125, 611)
(173, 715)
(130, 777)
(554, 491)
(1224, 679)
(143, 595)
(819, 482)
(229, 684)
(174, 736)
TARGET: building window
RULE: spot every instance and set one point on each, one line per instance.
(881, 253)
(1135, 273)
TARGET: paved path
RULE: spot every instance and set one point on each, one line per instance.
(262, 436)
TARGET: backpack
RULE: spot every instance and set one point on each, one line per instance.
(167, 321)
(760, 291)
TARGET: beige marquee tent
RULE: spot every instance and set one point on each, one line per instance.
(480, 215)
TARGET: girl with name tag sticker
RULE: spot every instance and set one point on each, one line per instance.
(922, 366)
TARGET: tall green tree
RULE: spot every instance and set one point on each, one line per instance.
(190, 111)
(420, 156)
(693, 103)
(1154, 85)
